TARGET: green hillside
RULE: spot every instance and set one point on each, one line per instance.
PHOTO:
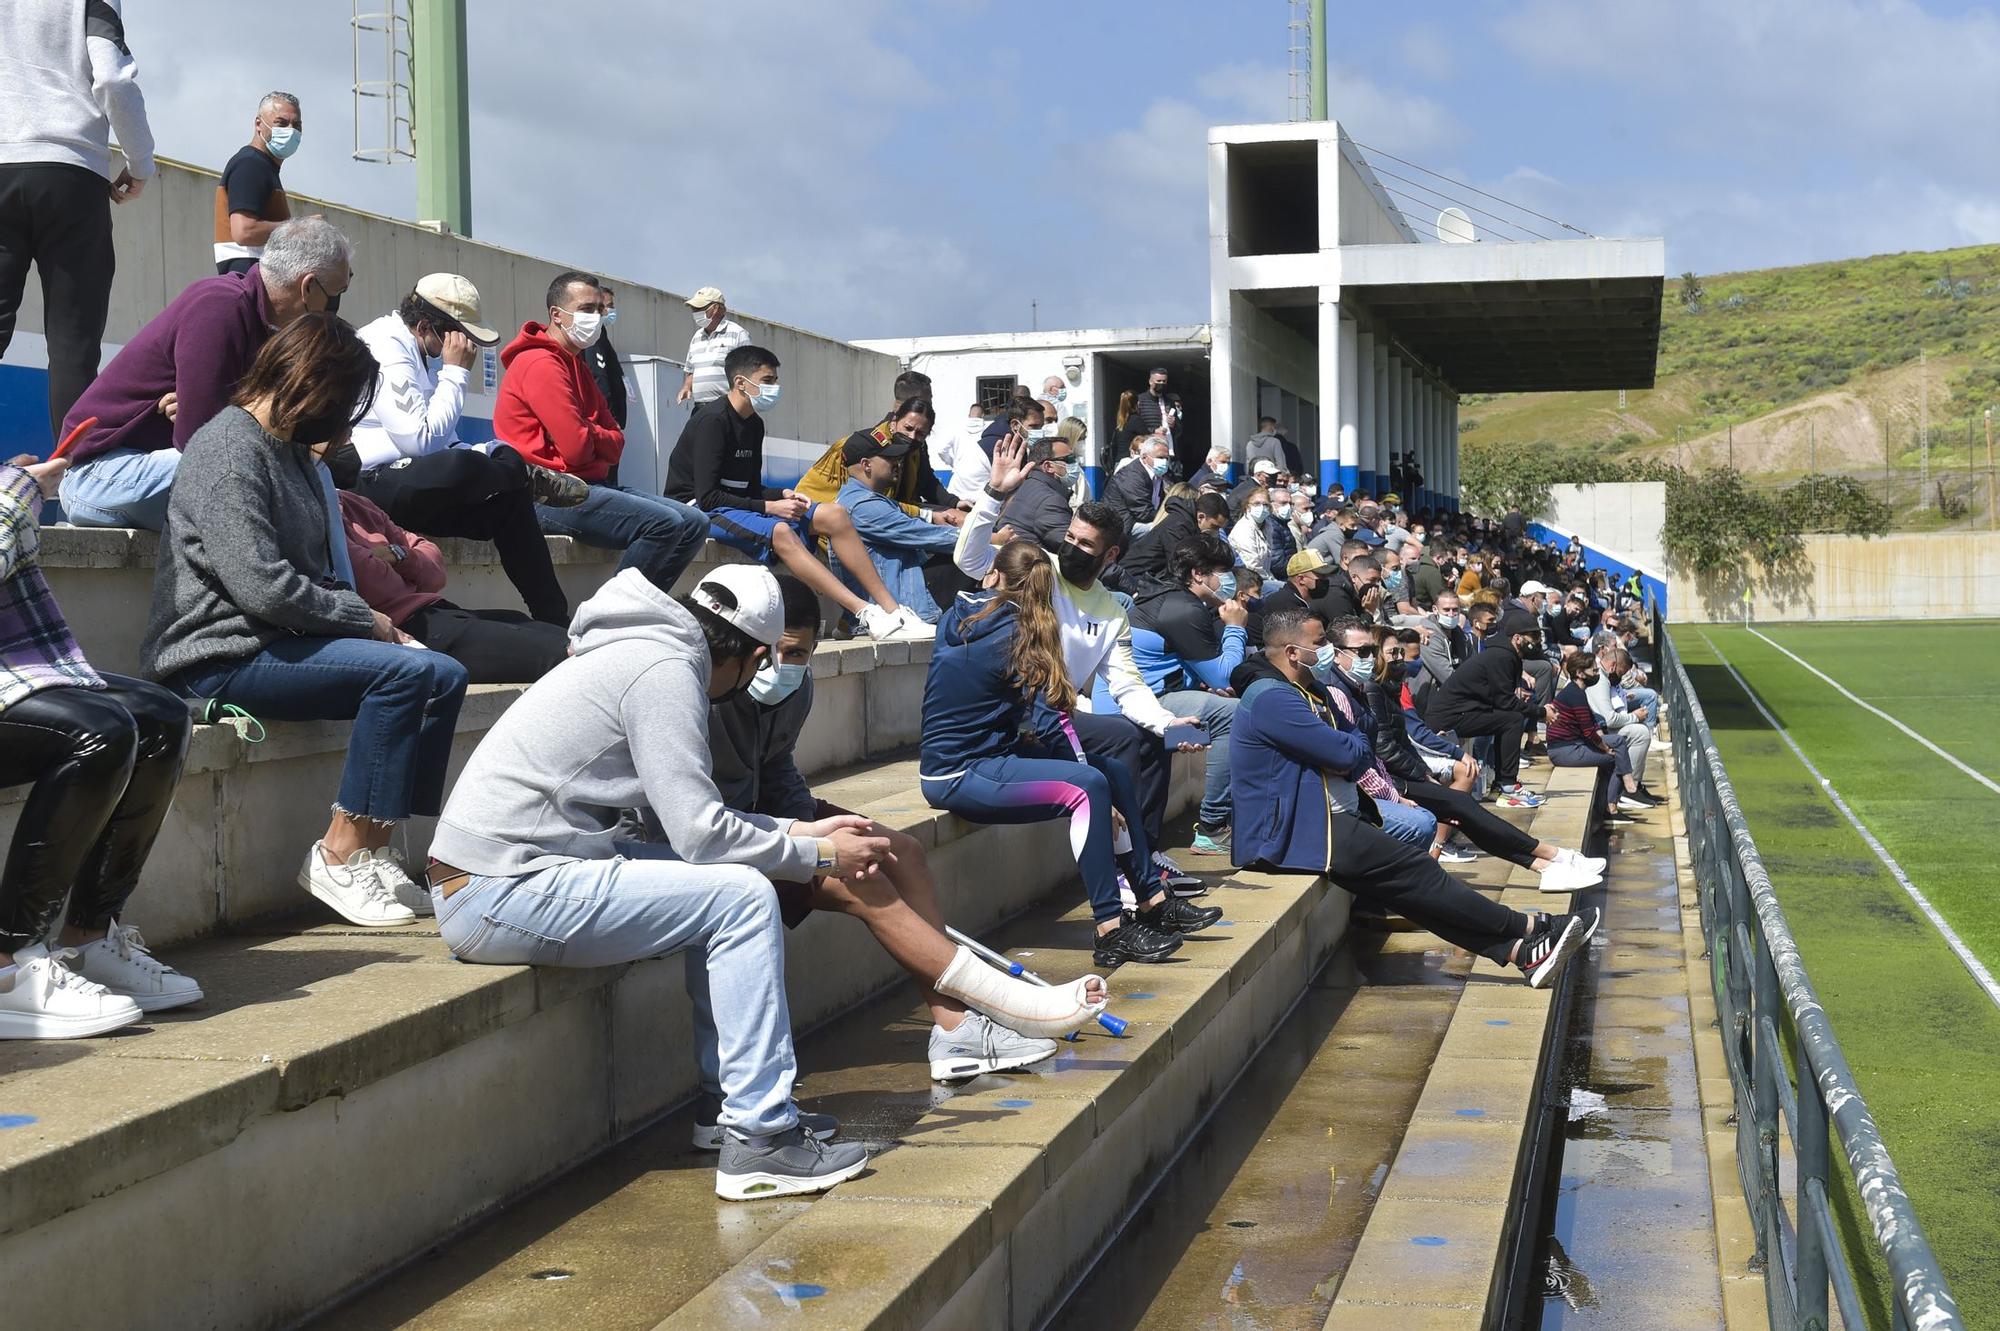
(1818, 362)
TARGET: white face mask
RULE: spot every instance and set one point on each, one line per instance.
(701, 318)
(1259, 512)
(584, 327)
(773, 683)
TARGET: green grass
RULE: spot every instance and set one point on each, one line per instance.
(1768, 338)
(1922, 1037)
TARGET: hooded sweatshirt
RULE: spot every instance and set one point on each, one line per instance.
(973, 707)
(550, 409)
(621, 724)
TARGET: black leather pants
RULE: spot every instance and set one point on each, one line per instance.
(104, 764)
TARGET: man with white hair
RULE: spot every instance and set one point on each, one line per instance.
(179, 370)
(1137, 491)
(250, 201)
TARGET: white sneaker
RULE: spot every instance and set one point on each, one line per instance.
(120, 962)
(1561, 877)
(395, 876)
(911, 627)
(43, 998)
(354, 890)
(1587, 863)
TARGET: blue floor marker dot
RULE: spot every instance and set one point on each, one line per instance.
(1225, 922)
(1498, 1021)
(17, 1120)
(1013, 1104)
(1133, 998)
(1428, 1241)
(800, 1291)
(1470, 1113)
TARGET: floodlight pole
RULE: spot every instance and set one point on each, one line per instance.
(444, 119)
(1319, 59)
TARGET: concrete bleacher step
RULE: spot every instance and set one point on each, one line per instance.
(344, 1098)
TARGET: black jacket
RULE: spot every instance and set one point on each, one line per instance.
(1149, 411)
(602, 358)
(1039, 510)
(1131, 492)
(719, 461)
(1485, 683)
(1339, 598)
(1149, 562)
(1392, 737)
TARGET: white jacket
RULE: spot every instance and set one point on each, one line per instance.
(413, 414)
(1252, 547)
(67, 80)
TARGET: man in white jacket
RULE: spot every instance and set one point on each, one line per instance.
(70, 82)
(415, 468)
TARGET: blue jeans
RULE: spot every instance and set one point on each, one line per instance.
(1407, 822)
(1015, 789)
(403, 700)
(659, 536)
(1216, 713)
(647, 903)
(1646, 698)
(122, 488)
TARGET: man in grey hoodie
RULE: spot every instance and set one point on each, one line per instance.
(527, 866)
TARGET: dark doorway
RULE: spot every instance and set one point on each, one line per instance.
(1187, 374)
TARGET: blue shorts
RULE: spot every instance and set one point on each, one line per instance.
(750, 533)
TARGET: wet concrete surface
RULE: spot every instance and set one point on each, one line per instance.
(1633, 1242)
(1253, 1226)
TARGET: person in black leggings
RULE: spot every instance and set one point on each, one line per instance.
(101, 755)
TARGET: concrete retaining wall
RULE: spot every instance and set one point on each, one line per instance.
(1931, 575)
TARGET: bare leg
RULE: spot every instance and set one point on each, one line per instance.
(346, 834)
(802, 564)
(832, 522)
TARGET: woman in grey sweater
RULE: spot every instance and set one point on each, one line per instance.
(247, 612)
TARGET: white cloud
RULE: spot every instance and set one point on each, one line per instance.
(1427, 51)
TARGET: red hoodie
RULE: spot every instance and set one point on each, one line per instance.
(551, 411)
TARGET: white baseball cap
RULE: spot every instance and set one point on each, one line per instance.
(753, 602)
(706, 297)
(1533, 588)
(459, 299)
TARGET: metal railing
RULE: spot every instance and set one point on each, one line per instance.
(1765, 1003)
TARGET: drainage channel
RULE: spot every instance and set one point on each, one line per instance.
(1254, 1224)
(1628, 1238)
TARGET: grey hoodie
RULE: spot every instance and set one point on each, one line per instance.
(622, 724)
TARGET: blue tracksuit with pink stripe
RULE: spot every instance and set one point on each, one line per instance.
(990, 755)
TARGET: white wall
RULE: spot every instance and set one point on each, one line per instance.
(1627, 518)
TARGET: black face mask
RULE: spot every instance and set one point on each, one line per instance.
(1078, 566)
(1317, 590)
(316, 430)
(345, 464)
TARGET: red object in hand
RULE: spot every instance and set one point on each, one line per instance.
(69, 440)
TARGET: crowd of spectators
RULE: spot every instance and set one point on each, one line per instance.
(1360, 679)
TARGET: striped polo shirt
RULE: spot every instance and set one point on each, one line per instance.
(707, 351)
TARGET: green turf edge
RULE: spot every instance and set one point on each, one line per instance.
(1923, 1040)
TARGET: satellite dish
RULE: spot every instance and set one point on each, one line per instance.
(1455, 228)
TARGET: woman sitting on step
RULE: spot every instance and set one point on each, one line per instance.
(103, 754)
(246, 612)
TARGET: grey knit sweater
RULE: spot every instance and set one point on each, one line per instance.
(243, 559)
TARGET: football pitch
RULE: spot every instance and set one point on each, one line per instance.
(1867, 760)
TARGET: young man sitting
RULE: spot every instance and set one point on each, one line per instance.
(752, 738)
(900, 546)
(718, 466)
(1288, 758)
(527, 866)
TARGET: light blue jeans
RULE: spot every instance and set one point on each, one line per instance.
(123, 488)
(1216, 713)
(1406, 822)
(644, 903)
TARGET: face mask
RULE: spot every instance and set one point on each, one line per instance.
(1078, 566)
(1061, 395)
(283, 141)
(584, 328)
(1041, 432)
(1306, 489)
(1449, 621)
(1064, 472)
(316, 430)
(610, 317)
(1258, 512)
(332, 297)
(1393, 581)
(1225, 586)
(1323, 663)
(1363, 668)
(345, 464)
(700, 318)
(1160, 465)
(1413, 668)
(763, 397)
(774, 683)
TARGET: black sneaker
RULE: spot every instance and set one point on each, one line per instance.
(1178, 881)
(1643, 796)
(1175, 916)
(1558, 938)
(1133, 941)
(556, 489)
(788, 1165)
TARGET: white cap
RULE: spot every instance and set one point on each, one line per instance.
(1533, 588)
(459, 299)
(1264, 467)
(706, 297)
(758, 609)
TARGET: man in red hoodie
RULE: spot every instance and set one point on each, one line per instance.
(552, 413)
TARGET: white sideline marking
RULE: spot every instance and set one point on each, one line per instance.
(1842, 690)
(1981, 976)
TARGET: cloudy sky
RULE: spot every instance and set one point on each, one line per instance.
(881, 167)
